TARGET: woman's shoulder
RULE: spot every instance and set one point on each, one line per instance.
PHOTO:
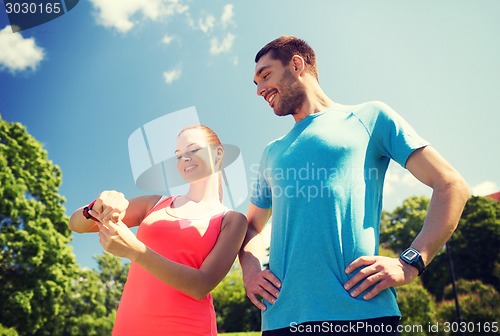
(235, 215)
(144, 204)
(148, 201)
(234, 218)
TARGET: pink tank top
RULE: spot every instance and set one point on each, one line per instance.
(149, 306)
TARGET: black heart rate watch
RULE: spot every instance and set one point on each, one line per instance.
(412, 257)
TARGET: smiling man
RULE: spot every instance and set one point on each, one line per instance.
(325, 275)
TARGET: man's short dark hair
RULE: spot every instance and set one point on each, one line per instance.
(285, 47)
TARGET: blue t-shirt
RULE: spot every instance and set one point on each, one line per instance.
(324, 182)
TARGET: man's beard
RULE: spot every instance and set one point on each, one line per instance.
(292, 95)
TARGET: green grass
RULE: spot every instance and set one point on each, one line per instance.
(251, 333)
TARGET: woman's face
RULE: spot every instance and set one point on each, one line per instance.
(195, 158)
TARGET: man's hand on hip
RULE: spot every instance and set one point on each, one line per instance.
(262, 284)
(378, 272)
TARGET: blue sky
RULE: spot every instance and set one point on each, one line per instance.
(83, 83)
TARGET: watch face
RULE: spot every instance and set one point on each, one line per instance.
(410, 255)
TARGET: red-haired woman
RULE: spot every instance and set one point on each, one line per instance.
(184, 247)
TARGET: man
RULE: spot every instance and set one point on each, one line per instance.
(323, 183)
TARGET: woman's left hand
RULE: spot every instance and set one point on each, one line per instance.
(117, 238)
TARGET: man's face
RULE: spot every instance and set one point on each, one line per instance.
(278, 86)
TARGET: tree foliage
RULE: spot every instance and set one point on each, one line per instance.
(94, 297)
(474, 248)
(36, 263)
(480, 228)
(4, 331)
(112, 276)
(234, 311)
(44, 291)
(417, 306)
(399, 228)
(475, 257)
(85, 304)
(478, 304)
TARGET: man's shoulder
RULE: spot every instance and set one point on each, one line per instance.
(273, 143)
(369, 113)
(369, 107)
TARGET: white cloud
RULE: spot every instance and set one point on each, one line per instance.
(397, 178)
(227, 15)
(124, 15)
(224, 46)
(391, 179)
(171, 76)
(18, 53)
(400, 184)
(409, 180)
(118, 14)
(210, 25)
(167, 39)
(207, 24)
(485, 188)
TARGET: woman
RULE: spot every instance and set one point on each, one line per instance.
(184, 247)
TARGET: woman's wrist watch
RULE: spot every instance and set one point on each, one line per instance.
(86, 209)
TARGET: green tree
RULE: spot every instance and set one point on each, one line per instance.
(7, 331)
(479, 227)
(36, 263)
(474, 248)
(112, 275)
(417, 307)
(86, 312)
(478, 305)
(44, 291)
(234, 311)
(94, 297)
(399, 228)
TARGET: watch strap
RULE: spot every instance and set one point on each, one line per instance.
(416, 262)
(420, 265)
(86, 209)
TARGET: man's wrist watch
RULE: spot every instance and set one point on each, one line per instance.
(412, 257)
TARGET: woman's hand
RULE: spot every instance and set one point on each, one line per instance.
(117, 238)
(111, 206)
